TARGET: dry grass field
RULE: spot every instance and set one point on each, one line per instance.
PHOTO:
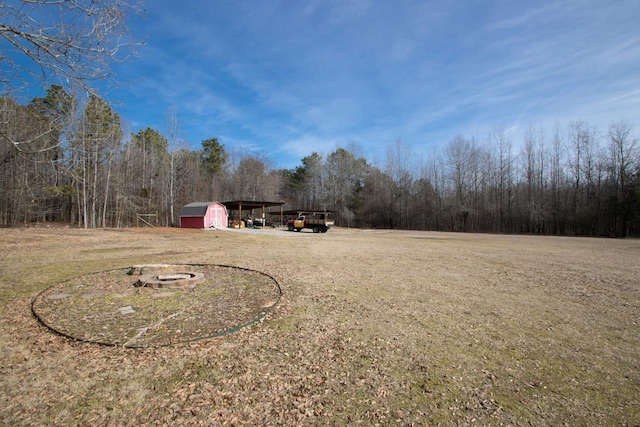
(374, 327)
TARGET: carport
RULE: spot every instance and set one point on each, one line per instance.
(249, 205)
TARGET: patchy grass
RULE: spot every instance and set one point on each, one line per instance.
(374, 327)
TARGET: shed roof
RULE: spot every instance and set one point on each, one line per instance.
(196, 209)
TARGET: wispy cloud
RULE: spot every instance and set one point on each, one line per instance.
(291, 78)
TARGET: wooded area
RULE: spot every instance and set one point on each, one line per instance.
(68, 160)
(573, 181)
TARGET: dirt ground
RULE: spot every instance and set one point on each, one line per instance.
(373, 327)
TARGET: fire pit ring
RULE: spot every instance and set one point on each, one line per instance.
(106, 308)
(171, 280)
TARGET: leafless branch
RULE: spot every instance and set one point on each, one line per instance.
(75, 40)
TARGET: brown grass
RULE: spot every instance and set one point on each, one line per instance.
(374, 327)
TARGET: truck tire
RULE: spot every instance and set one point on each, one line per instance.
(316, 229)
(290, 227)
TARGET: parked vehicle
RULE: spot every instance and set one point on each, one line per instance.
(319, 222)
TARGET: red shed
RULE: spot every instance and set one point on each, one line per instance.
(204, 215)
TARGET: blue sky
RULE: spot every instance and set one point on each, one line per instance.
(286, 78)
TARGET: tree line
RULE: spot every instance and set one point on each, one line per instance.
(570, 181)
(68, 160)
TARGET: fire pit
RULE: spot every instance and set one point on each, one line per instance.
(172, 280)
(160, 305)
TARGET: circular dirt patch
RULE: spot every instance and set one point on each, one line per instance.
(127, 307)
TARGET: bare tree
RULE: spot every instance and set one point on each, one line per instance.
(399, 168)
(255, 178)
(624, 158)
(582, 164)
(533, 163)
(376, 197)
(74, 40)
(461, 155)
(557, 179)
(503, 152)
(173, 130)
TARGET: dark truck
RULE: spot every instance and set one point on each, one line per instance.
(319, 222)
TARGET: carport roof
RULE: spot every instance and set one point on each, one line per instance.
(250, 204)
